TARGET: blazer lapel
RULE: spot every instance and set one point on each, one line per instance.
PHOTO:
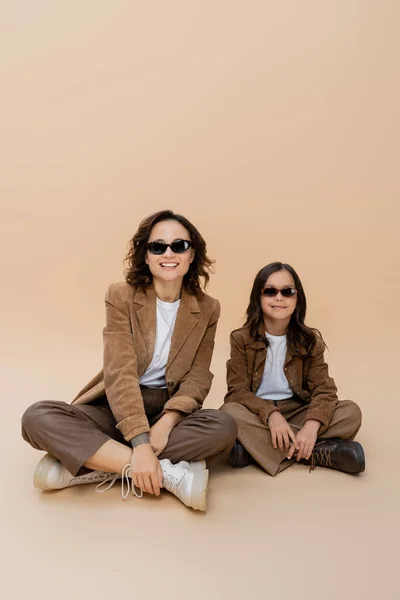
(147, 317)
(290, 354)
(186, 320)
(261, 350)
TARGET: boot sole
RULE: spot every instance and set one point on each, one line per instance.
(42, 471)
(361, 457)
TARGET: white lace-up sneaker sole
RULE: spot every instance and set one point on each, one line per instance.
(198, 495)
(187, 481)
(50, 474)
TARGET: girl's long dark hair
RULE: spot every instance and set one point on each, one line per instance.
(138, 273)
(298, 334)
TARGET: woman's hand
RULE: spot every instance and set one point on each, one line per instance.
(146, 470)
(281, 432)
(159, 433)
(306, 438)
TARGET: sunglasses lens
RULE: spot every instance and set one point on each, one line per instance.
(180, 246)
(157, 247)
(270, 292)
(288, 292)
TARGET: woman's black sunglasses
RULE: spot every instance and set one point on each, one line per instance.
(271, 292)
(177, 247)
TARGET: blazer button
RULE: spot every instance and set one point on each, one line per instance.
(256, 373)
(170, 383)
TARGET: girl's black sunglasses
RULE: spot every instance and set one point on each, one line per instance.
(271, 292)
(177, 247)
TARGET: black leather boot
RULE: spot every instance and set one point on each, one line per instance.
(342, 455)
(239, 457)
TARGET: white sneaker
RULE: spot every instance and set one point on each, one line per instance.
(127, 485)
(50, 474)
(187, 481)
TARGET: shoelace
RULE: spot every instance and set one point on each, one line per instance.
(171, 483)
(125, 482)
(93, 476)
(320, 457)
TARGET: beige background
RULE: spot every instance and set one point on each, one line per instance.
(274, 127)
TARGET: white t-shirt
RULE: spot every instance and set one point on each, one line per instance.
(274, 385)
(154, 376)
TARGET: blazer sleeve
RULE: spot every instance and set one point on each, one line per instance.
(121, 379)
(322, 387)
(238, 383)
(196, 384)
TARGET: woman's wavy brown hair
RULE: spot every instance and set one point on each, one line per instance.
(138, 273)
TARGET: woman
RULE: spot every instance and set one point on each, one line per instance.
(279, 389)
(140, 417)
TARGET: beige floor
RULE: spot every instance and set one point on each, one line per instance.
(299, 535)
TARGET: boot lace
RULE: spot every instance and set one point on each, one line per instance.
(126, 484)
(320, 456)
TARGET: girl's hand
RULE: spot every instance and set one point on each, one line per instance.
(306, 438)
(281, 432)
(159, 433)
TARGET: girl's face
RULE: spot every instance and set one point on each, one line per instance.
(279, 307)
(169, 266)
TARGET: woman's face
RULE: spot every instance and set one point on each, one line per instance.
(278, 307)
(169, 266)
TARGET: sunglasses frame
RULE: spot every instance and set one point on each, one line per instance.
(165, 246)
(276, 290)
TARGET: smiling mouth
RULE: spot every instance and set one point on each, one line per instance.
(279, 307)
(169, 265)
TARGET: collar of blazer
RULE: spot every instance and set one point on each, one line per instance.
(290, 353)
(186, 320)
(261, 346)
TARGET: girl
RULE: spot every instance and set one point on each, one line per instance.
(279, 389)
(140, 417)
